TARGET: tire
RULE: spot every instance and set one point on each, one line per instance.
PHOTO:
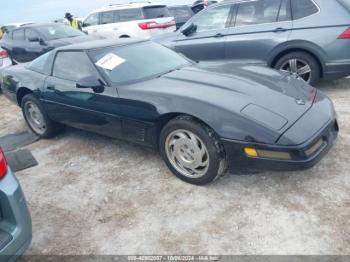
(48, 127)
(185, 134)
(303, 59)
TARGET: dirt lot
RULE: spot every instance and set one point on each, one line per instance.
(94, 195)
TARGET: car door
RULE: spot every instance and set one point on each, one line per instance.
(80, 107)
(108, 25)
(33, 46)
(91, 24)
(257, 28)
(208, 40)
(18, 45)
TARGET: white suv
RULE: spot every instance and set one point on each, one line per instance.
(142, 20)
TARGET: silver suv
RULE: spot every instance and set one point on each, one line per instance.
(310, 38)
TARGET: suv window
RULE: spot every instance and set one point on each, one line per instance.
(213, 19)
(285, 13)
(18, 35)
(258, 12)
(30, 33)
(303, 8)
(107, 18)
(92, 20)
(126, 15)
(156, 12)
(73, 66)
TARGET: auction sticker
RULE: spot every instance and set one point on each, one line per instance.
(110, 61)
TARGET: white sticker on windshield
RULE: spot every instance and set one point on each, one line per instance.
(110, 61)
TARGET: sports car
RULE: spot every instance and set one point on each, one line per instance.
(205, 119)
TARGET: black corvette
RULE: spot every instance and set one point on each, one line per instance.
(203, 118)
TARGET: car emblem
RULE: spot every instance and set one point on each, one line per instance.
(300, 102)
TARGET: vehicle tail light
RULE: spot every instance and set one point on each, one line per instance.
(3, 54)
(155, 25)
(3, 164)
(345, 34)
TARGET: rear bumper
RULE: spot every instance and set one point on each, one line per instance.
(337, 70)
(15, 223)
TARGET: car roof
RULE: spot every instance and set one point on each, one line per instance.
(113, 7)
(19, 24)
(36, 25)
(96, 44)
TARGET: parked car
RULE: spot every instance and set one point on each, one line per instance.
(181, 13)
(300, 36)
(26, 43)
(141, 20)
(202, 118)
(198, 6)
(15, 220)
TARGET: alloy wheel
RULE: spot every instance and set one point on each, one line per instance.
(34, 117)
(187, 153)
(298, 67)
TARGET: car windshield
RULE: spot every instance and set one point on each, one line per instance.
(53, 32)
(137, 61)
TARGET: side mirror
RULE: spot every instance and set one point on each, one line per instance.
(92, 82)
(189, 30)
(84, 25)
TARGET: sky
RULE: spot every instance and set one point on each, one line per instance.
(13, 11)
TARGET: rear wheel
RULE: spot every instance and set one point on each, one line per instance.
(192, 151)
(37, 119)
(301, 64)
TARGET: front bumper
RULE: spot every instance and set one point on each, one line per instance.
(300, 155)
(306, 142)
(15, 220)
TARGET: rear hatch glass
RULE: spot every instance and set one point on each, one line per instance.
(345, 3)
(151, 12)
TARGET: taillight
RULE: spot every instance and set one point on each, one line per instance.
(155, 25)
(3, 164)
(345, 34)
(3, 54)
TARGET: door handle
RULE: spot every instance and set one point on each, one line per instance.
(219, 35)
(51, 87)
(280, 30)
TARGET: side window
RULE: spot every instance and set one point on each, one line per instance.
(258, 12)
(31, 34)
(303, 8)
(126, 15)
(73, 66)
(93, 19)
(213, 19)
(40, 64)
(18, 35)
(107, 18)
(285, 13)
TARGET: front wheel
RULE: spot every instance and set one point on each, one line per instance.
(301, 64)
(192, 151)
(37, 119)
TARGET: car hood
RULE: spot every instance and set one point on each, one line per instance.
(70, 40)
(276, 100)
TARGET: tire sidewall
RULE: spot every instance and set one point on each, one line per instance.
(214, 156)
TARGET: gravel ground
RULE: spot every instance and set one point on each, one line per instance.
(94, 195)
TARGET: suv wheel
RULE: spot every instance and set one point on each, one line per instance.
(192, 151)
(302, 64)
(37, 119)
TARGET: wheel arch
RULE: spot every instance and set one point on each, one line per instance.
(166, 118)
(297, 46)
(21, 92)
